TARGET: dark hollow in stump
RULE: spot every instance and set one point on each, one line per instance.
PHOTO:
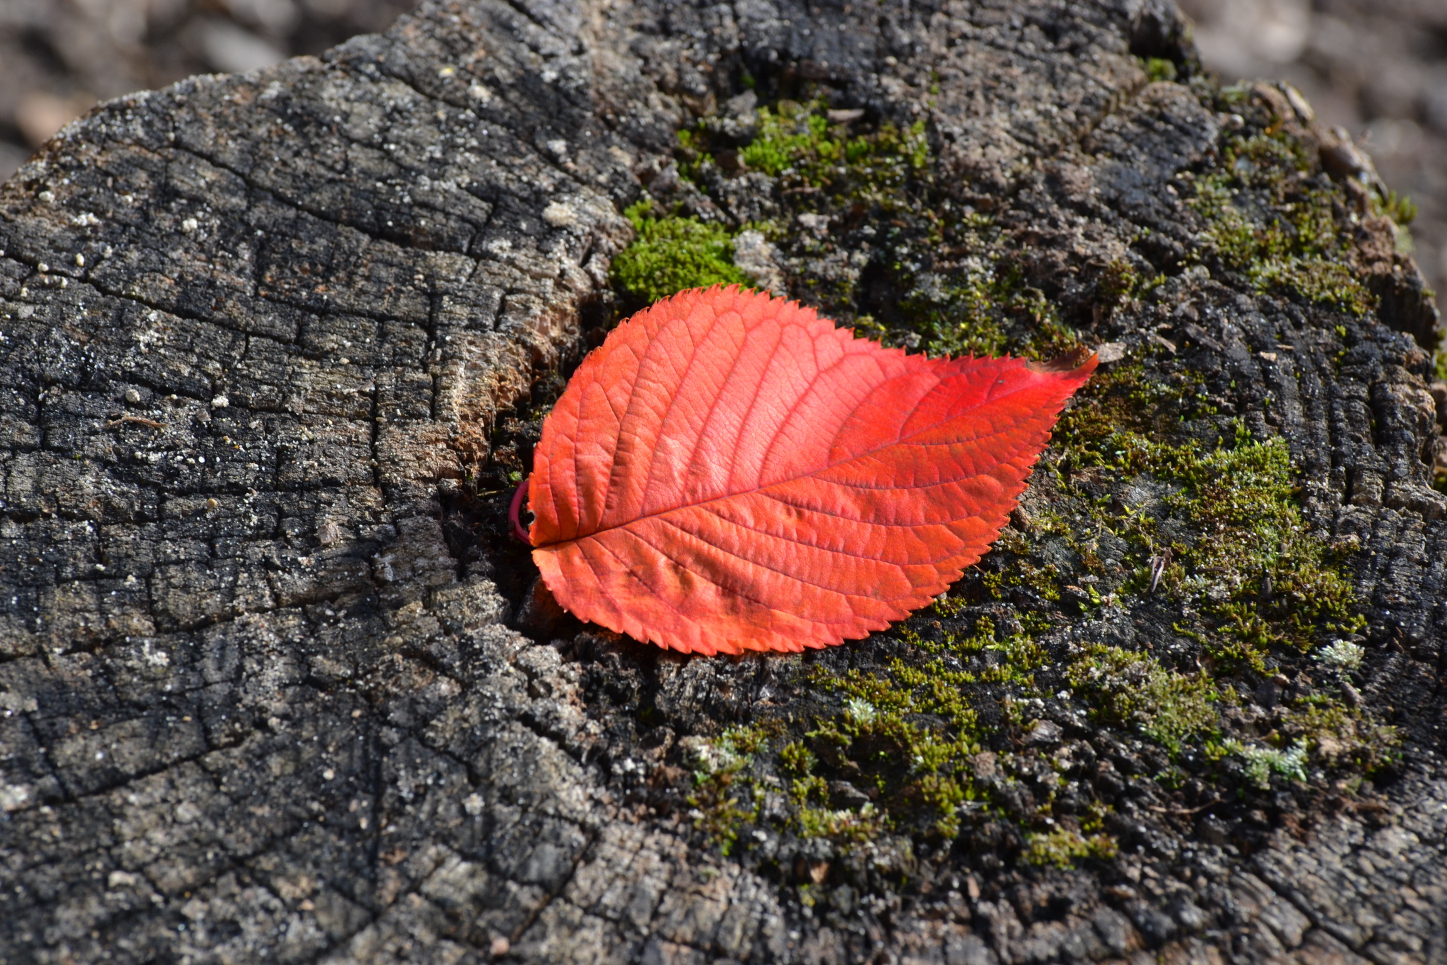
(277, 688)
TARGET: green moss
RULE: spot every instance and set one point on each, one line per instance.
(1284, 230)
(909, 735)
(671, 254)
(719, 809)
(786, 135)
(1133, 690)
(1338, 735)
(1398, 207)
(1063, 847)
(843, 826)
(797, 759)
(976, 312)
(1158, 68)
(691, 154)
(1267, 580)
(1117, 283)
(1044, 580)
(1254, 584)
(1235, 95)
(803, 790)
(1403, 211)
(797, 139)
(1256, 573)
(910, 731)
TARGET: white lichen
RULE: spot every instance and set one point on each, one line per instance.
(1261, 762)
(860, 712)
(1341, 655)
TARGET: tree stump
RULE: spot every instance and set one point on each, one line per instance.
(277, 687)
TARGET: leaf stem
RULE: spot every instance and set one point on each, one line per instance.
(512, 511)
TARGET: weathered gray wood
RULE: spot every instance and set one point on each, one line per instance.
(257, 329)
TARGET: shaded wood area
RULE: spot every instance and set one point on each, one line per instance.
(275, 686)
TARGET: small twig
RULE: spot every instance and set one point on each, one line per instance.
(1159, 563)
(1161, 810)
(138, 420)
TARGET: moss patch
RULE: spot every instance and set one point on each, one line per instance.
(1273, 216)
(722, 769)
(1133, 690)
(671, 254)
(1063, 848)
(798, 143)
(1251, 565)
(1158, 68)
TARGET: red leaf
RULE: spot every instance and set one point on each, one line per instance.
(731, 472)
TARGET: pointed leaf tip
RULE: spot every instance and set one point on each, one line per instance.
(1079, 359)
(731, 472)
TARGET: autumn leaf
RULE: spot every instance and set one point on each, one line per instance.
(731, 472)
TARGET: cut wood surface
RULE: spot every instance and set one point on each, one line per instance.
(267, 695)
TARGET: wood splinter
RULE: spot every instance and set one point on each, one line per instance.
(138, 420)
